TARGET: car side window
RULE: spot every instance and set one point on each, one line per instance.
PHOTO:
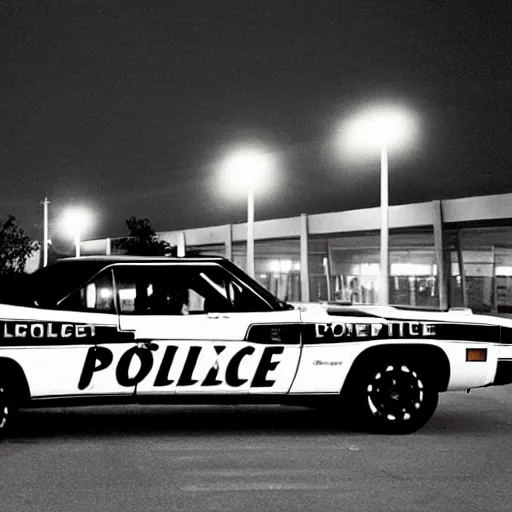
(241, 299)
(95, 296)
(165, 290)
(181, 290)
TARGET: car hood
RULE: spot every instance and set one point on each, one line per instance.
(335, 312)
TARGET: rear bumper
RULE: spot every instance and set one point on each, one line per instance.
(503, 372)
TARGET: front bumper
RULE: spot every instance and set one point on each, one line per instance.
(503, 372)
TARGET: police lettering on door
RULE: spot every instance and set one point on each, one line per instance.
(100, 359)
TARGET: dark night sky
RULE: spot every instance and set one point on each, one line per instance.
(126, 105)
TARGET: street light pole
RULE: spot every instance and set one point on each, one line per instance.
(45, 231)
(384, 226)
(386, 127)
(246, 170)
(75, 221)
(250, 231)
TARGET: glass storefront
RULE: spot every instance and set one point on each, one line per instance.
(486, 254)
(503, 279)
(346, 268)
(473, 256)
(319, 284)
(413, 278)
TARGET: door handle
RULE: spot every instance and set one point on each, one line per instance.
(216, 316)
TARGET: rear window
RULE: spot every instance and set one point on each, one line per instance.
(49, 285)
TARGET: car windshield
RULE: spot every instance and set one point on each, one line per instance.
(276, 303)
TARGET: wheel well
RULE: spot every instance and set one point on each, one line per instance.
(428, 357)
(12, 371)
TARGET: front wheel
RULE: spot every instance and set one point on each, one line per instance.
(395, 397)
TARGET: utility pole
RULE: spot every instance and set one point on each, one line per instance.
(45, 204)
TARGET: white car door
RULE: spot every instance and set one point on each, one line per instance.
(274, 341)
(204, 350)
(210, 353)
(54, 349)
(73, 350)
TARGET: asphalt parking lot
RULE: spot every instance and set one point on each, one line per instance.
(257, 458)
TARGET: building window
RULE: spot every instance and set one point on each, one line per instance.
(276, 266)
(352, 272)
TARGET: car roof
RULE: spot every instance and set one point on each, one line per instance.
(122, 258)
(53, 282)
(50, 284)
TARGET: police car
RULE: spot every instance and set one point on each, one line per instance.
(99, 330)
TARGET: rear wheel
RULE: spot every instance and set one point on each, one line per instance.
(6, 411)
(394, 396)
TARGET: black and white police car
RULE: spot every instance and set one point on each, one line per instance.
(99, 330)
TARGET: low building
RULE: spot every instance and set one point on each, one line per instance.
(443, 253)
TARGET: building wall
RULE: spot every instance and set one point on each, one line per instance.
(452, 252)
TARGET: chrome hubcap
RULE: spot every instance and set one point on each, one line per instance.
(396, 393)
(4, 409)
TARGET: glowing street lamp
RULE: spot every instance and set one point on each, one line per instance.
(75, 221)
(385, 127)
(247, 169)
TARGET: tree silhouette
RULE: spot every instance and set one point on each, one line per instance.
(143, 241)
(15, 248)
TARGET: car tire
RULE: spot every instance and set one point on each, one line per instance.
(394, 396)
(6, 411)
